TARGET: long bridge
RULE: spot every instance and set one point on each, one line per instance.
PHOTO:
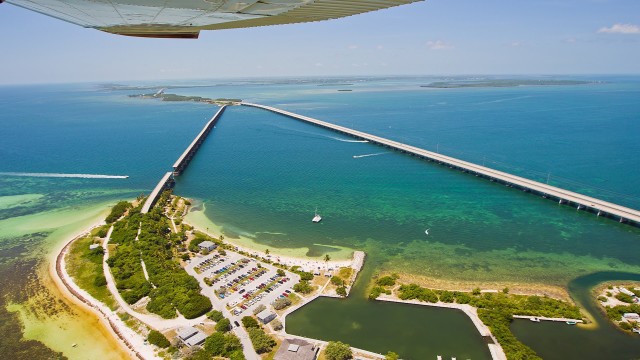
(189, 152)
(562, 196)
(180, 165)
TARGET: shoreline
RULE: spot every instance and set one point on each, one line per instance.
(553, 291)
(495, 349)
(74, 294)
(276, 255)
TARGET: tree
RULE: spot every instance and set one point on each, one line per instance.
(280, 272)
(266, 252)
(391, 356)
(223, 325)
(327, 258)
(337, 350)
(232, 344)
(276, 325)
(259, 309)
(303, 287)
(156, 338)
(249, 322)
(337, 281)
(342, 291)
(215, 344)
(215, 315)
(281, 303)
(262, 342)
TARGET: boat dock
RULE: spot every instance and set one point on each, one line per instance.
(562, 196)
(181, 164)
(165, 183)
(542, 318)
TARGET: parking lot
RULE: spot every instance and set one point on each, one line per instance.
(240, 283)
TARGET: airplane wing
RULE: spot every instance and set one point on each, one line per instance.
(186, 18)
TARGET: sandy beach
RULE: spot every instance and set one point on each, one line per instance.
(129, 343)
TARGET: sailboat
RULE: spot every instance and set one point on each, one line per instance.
(317, 218)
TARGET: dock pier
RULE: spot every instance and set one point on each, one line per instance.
(563, 197)
(181, 164)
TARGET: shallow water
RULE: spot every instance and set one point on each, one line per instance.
(261, 176)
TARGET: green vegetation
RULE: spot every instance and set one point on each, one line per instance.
(386, 281)
(175, 97)
(156, 338)
(624, 298)
(175, 290)
(260, 308)
(281, 303)
(219, 344)
(276, 324)
(391, 356)
(215, 315)
(117, 211)
(262, 342)
(249, 322)
(342, 291)
(223, 325)
(615, 314)
(337, 350)
(303, 287)
(496, 310)
(85, 267)
(337, 281)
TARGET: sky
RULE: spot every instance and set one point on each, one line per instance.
(435, 37)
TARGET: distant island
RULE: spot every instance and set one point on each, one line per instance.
(503, 83)
(174, 97)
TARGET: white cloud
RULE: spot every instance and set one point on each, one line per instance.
(620, 29)
(570, 40)
(353, 47)
(515, 43)
(438, 45)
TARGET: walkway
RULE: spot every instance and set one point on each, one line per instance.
(581, 202)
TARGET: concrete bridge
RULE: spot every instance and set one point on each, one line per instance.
(191, 150)
(562, 196)
(165, 183)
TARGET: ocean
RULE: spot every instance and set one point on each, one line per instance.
(259, 178)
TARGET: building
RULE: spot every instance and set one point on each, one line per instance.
(207, 245)
(191, 336)
(631, 316)
(94, 246)
(296, 349)
(265, 316)
(197, 339)
(626, 292)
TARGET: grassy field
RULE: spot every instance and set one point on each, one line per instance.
(85, 266)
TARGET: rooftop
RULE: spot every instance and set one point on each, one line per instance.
(295, 349)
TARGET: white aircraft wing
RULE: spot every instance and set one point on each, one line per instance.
(186, 18)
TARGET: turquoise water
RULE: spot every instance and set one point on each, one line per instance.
(262, 175)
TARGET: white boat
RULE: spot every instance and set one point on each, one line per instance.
(317, 218)
(535, 319)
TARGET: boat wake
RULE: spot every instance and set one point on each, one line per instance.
(349, 141)
(367, 155)
(58, 175)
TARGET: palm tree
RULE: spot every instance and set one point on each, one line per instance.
(266, 252)
(327, 258)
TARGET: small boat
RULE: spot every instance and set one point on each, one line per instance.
(571, 322)
(74, 345)
(317, 218)
(534, 319)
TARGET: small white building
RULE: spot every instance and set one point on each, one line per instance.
(207, 245)
(265, 316)
(631, 316)
(197, 339)
(187, 332)
(94, 246)
(625, 291)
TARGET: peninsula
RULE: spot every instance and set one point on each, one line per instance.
(501, 83)
(162, 96)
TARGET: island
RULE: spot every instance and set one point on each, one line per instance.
(621, 303)
(454, 84)
(162, 96)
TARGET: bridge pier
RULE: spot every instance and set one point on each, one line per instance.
(564, 196)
